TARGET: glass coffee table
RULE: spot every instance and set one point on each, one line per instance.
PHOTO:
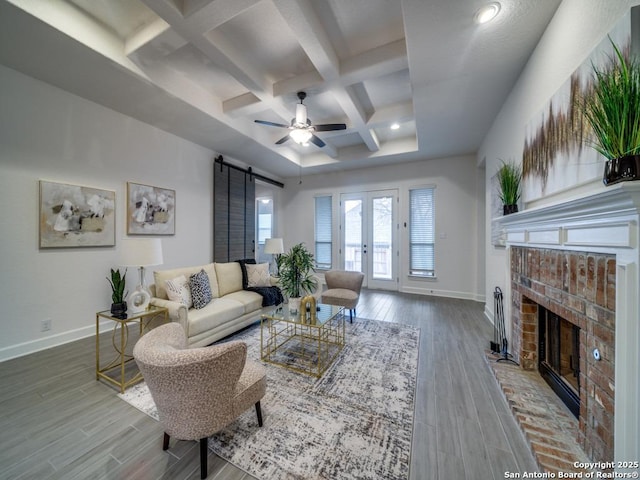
(303, 345)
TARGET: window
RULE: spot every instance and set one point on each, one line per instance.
(265, 214)
(323, 232)
(421, 232)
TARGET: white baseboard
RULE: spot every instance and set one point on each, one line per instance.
(444, 293)
(33, 346)
(488, 313)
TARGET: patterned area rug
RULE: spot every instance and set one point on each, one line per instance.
(355, 422)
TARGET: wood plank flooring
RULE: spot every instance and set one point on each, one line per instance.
(58, 422)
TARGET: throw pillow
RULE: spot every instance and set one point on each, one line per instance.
(178, 290)
(200, 289)
(243, 263)
(258, 275)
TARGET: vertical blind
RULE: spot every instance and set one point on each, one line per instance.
(323, 232)
(421, 232)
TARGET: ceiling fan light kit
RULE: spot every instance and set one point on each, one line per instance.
(301, 128)
(300, 135)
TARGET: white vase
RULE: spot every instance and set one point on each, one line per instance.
(138, 300)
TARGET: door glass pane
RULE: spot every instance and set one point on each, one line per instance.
(353, 235)
(382, 237)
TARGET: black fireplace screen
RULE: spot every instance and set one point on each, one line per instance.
(559, 357)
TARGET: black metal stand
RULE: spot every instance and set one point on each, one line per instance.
(500, 345)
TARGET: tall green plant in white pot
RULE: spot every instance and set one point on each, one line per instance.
(509, 186)
(612, 109)
(296, 274)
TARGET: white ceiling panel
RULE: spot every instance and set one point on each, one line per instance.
(206, 69)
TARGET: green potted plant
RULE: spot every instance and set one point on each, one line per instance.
(296, 274)
(612, 109)
(117, 282)
(509, 186)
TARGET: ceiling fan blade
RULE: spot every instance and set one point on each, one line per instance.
(283, 139)
(327, 127)
(316, 141)
(271, 124)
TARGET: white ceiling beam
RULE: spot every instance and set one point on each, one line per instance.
(315, 42)
(312, 37)
(377, 62)
(63, 16)
(154, 40)
(400, 112)
(242, 105)
(200, 31)
(298, 83)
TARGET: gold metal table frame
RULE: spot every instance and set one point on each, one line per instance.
(145, 319)
(312, 343)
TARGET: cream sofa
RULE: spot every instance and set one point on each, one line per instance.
(231, 309)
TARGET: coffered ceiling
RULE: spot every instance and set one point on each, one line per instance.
(206, 69)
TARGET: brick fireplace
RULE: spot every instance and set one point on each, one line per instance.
(580, 260)
(578, 287)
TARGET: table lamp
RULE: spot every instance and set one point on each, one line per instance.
(140, 252)
(275, 247)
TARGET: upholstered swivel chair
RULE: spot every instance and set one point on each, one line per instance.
(343, 289)
(197, 391)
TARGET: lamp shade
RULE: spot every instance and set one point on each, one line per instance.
(141, 252)
(273, 245)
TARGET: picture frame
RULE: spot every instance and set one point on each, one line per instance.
(150, 210)
(75, 216)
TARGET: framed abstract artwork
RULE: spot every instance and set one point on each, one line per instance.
(556, 154)
(76, 216)
(150, 210)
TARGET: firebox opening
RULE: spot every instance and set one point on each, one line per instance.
(559, 357)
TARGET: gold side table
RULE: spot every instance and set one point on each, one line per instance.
(145, 319)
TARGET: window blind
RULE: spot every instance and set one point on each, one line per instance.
(323, 234)
(421, 233)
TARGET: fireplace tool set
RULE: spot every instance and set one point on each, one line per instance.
(500, 344)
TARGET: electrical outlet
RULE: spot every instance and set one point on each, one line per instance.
(45, 325)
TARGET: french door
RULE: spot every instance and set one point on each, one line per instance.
(369, 231)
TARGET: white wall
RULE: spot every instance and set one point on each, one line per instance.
(46, 133)
(459, 192)
(577, 27)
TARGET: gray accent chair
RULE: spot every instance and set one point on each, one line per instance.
(198, 391)
(343, 289)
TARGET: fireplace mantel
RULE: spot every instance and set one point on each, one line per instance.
(606, 221)
(603, 222)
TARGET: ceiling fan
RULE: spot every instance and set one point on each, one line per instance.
(301, 129)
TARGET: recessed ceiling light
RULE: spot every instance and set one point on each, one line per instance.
(395, 126)
(487, 13)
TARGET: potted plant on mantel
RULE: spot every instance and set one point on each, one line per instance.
(296, 274)
(612, 109)
(509, 185)
(117, 282)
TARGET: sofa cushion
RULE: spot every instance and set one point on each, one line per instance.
(250, 300)
(229, 277)
(218, 312)
(200, 289)
(258, 275)
(178, 290)
(161, 276)
(243, 266)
